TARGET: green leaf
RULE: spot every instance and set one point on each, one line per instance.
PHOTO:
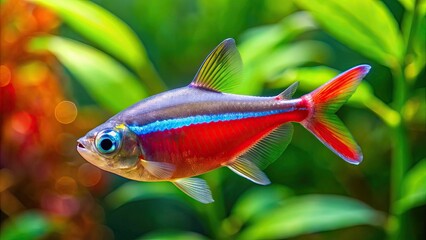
(308, 77)
(266, 50)
(309, 214)
(173, 235)
(364, 96)
(108, 82)
(101, 27)
(293, 55)
(413, 188)
(287, 56)
(260, 41)
(28, 225)
(409, 5)
(360, 25)
(109, 33)
(249, 205)
(133, 191)
(417, 61)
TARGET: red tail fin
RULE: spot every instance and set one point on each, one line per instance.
(324, 124)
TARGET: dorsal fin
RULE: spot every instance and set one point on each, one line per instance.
(288, 93)
(219, 71)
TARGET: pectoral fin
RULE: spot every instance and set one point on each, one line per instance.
(161, 170)
(196, 188)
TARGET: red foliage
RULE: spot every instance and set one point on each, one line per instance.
(40, 169)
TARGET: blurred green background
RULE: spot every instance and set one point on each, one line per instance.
(67, 66)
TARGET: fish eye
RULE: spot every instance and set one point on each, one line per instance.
(107, 141)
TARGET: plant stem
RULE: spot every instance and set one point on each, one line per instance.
(214, 213)
(401, 156)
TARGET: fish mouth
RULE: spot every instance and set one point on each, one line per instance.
(83, 148)
(80, 145)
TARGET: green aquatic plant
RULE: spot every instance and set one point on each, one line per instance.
(369, 28)
(109, 53)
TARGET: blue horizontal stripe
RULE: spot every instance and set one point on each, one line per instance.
(163, 125)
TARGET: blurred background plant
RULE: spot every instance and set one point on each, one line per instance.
(67, 66)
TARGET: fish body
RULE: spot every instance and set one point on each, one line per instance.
(197, 130)
(182, 133)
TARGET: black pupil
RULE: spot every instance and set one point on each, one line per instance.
(106, 144)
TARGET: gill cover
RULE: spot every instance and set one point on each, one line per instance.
(129, 151)
(117, 146)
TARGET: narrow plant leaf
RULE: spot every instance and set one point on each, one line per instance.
(309, 214)
(309, 77)
(28, 225)
(109, 33)
(288, 56)
(101, 27)
(133, 191)
(249, 205)
(364, 96)
(414, 188)
(262, 40)
(108, 82)
(415, 67)
(360, 25)
(292, 55)
(409, 5)
(263, 45)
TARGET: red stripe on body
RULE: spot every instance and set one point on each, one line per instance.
(203, 147)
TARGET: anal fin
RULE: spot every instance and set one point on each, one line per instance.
(262, 153)
(196, 188)
(249, 170)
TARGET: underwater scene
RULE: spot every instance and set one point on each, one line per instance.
(213, 119)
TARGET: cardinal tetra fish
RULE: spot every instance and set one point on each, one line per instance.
(179, 134)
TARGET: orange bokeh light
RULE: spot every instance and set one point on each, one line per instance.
(89, 175)
(66, 185)
(21, 122)
(65, 112)
(5, 76)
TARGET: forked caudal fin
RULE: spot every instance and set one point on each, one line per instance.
(324, 124)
